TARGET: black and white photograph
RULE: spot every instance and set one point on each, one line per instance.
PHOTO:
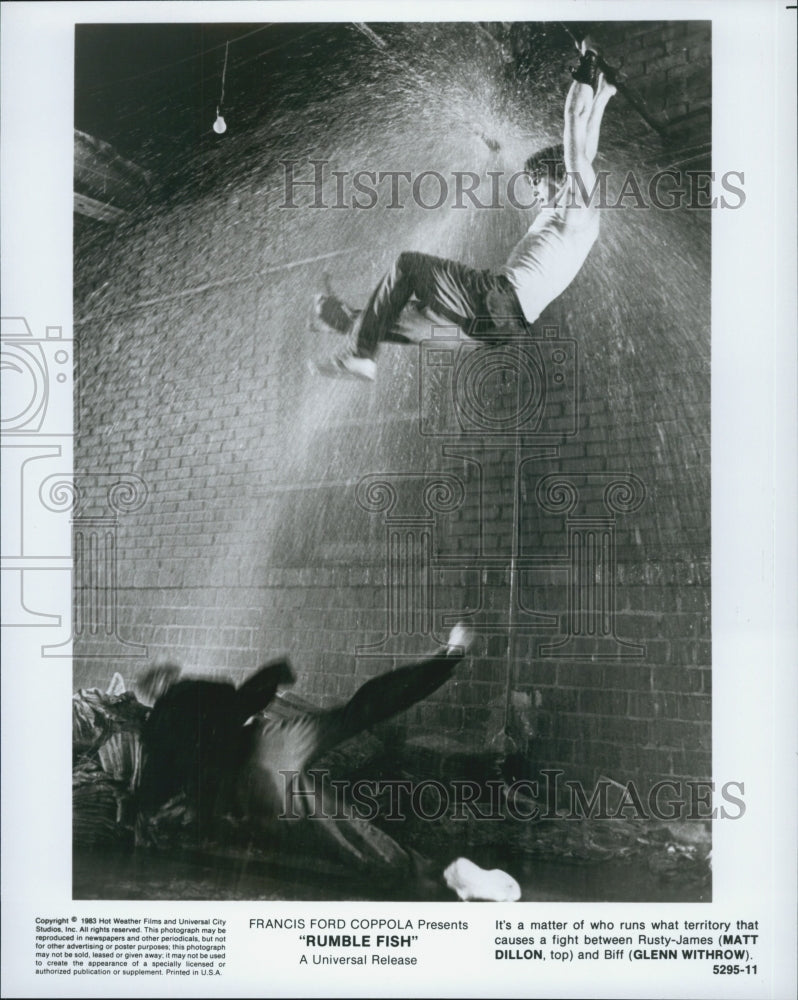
(392, 460)
(403, 476)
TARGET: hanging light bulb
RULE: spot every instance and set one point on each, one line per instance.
(220, 125)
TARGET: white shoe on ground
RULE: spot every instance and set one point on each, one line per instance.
(470, 881)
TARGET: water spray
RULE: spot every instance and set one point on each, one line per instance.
(371, 35)
(493, 144)
(237, 279)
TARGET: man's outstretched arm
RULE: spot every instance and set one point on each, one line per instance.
(578, 106)
(603, 94)
(584, 110)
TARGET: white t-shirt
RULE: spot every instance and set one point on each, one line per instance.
(550, 255)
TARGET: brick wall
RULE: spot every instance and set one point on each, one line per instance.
(668, 68)
(667, 64)
(258, 534)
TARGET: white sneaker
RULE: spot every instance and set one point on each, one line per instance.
(470, 881)
(346, 366)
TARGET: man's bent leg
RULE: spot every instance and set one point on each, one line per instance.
(382, 697)
(453, 290)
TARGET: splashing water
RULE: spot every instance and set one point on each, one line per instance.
(176, 390)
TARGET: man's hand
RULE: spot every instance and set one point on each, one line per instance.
(588, 45)
(605, 85)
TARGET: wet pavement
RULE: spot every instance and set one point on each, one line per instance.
(181, 876)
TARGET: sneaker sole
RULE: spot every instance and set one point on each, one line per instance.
(335, 370)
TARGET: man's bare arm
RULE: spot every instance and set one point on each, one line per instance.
(578, 107)
(604, 92)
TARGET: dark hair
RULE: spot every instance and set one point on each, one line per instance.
(548, 162)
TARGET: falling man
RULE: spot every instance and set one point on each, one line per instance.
(486, 304)
(206, 745)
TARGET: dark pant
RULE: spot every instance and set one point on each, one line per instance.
(196, 741)
(273, 780)
(482, 303)
(381, 698)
